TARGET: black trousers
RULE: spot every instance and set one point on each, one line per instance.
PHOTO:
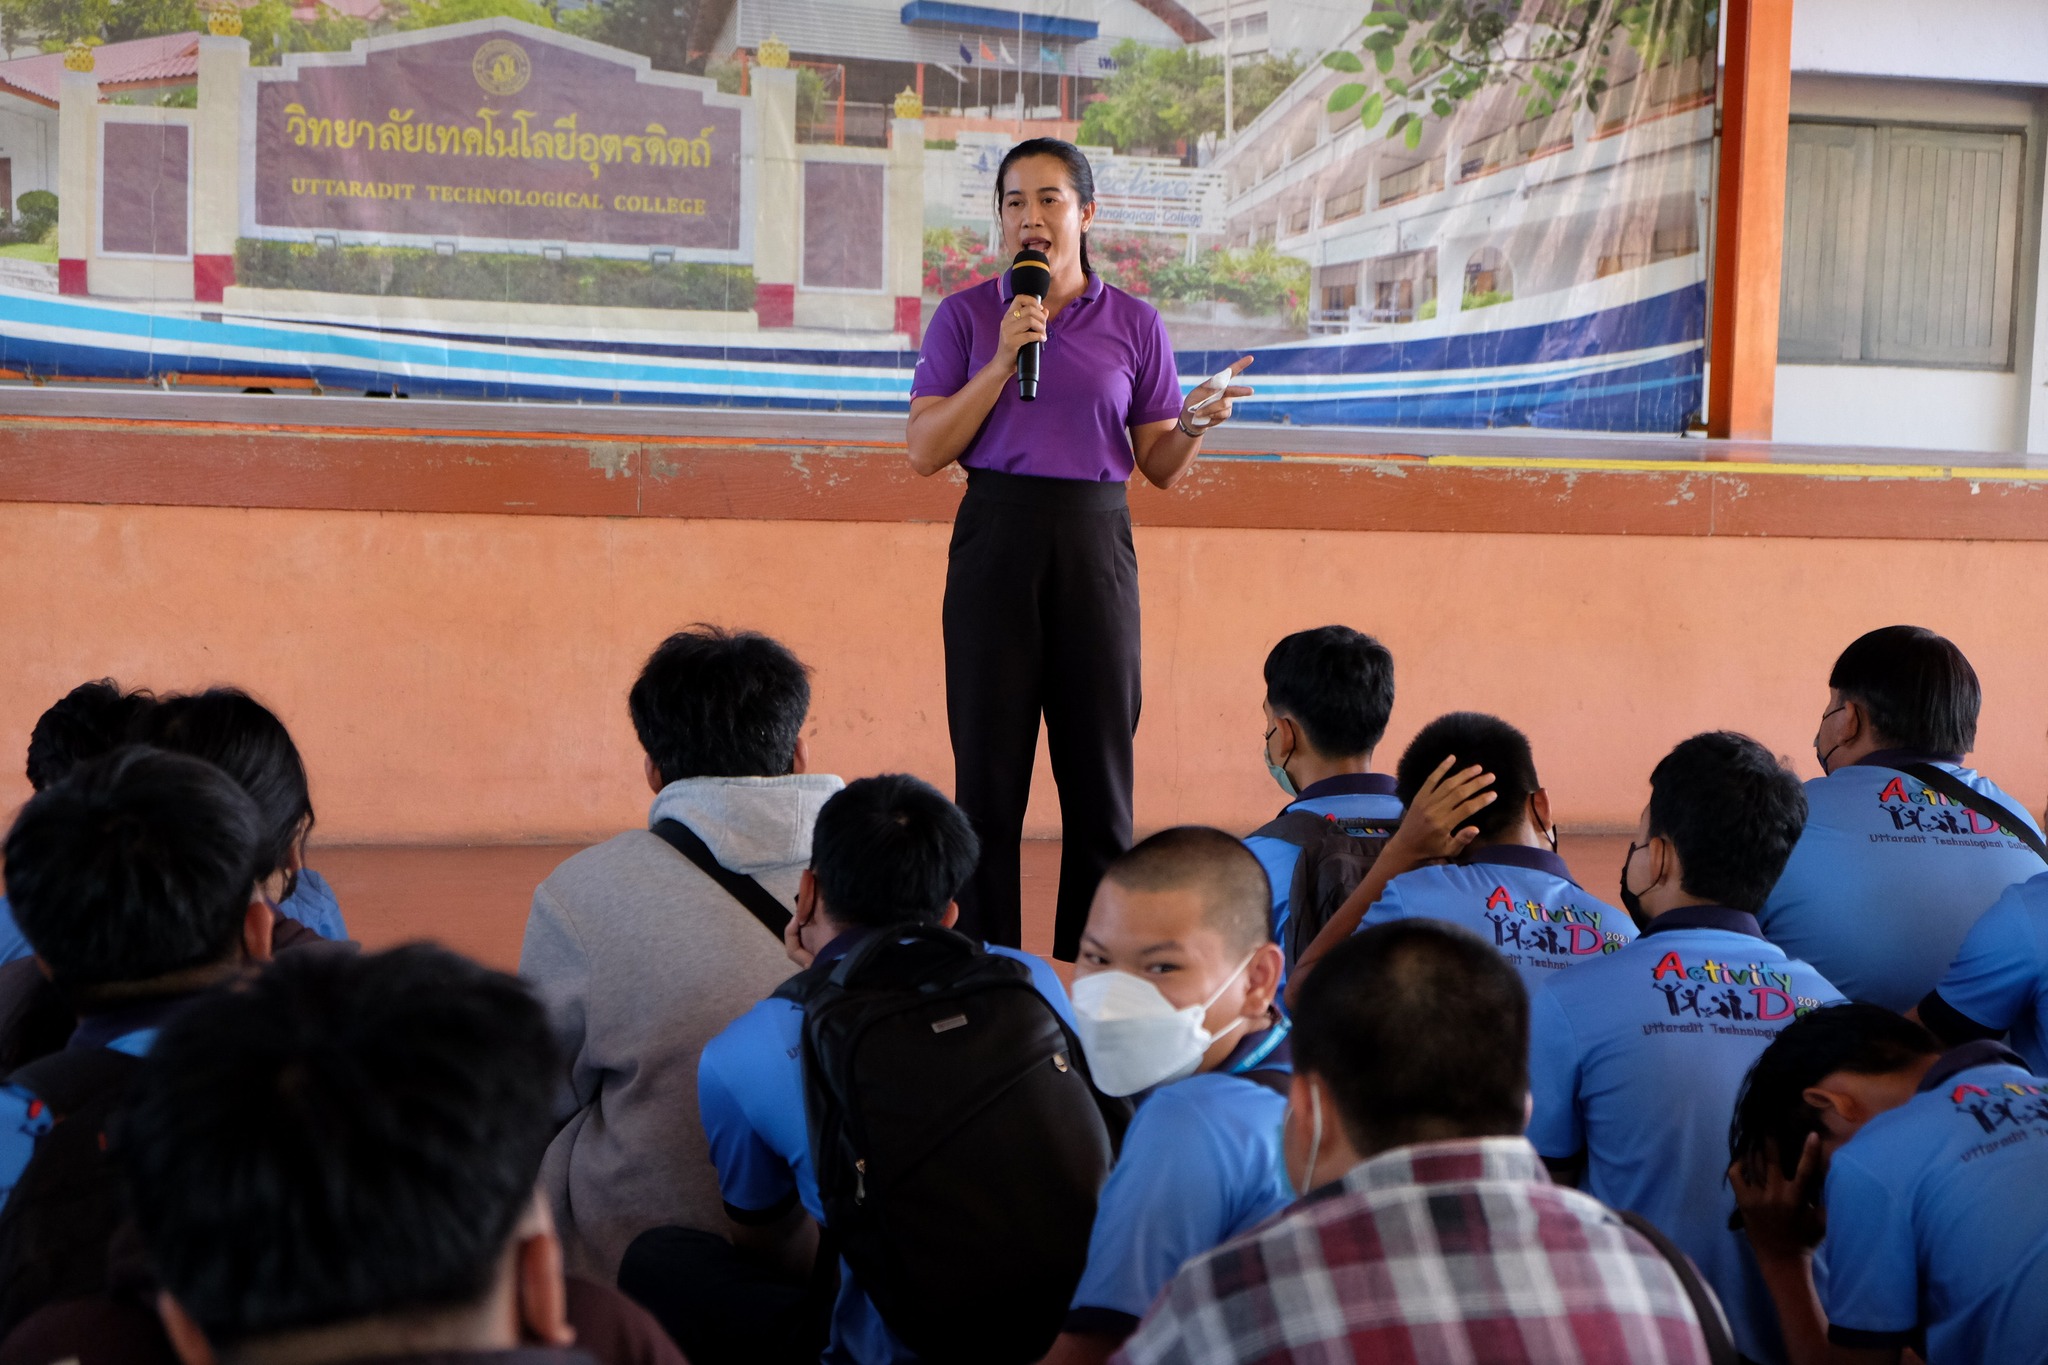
(1041, 617)
(721, 1308)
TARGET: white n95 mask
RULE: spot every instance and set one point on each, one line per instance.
(1132, 1035)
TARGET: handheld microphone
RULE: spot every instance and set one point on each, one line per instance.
(1030, 273)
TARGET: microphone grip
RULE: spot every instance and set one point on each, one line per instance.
(1028, 356)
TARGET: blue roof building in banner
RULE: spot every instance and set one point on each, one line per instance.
(975, 56)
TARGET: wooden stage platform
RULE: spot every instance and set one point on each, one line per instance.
(76, 444)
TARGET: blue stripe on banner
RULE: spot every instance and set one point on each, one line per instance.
(1572, 373)
(1666, 320)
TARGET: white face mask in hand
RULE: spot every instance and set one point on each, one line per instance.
(1132, 1035)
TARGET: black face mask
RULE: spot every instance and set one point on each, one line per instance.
(1630, 901)
(1822, 758)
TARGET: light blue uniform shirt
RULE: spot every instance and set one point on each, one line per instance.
(1636, 1060)
(311, 903)
(1200, 1164)
(1938, 1217)
(1888, 876)
(1350, 796)
(1521, 900)
(750, 1095)
(24, 1118)
(1999, 980)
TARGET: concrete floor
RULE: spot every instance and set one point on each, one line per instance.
(475, 899)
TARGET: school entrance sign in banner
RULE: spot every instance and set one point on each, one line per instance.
(497, 140)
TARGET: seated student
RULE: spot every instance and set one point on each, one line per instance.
(338, 1162)
(91, 719)
(1509, 886)
(1998, 983)
(1427, 1229)
(1892, 870)
(1929, 1174)
(1178, 927)
(1636, 1058)
(245, 739)
(642, 957)
(889, 850)
(1329, 692)
(135, 879)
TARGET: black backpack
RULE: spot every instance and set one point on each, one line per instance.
(1336, 853)
(61, 1221)
(958, 1143)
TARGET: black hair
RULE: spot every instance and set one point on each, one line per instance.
(91, 719)
(1338, 683)
(1421, 1032)
(347, 1137)
(1733, 813)
(1489, 741)
(1864, 1039)
(891, 849)
(1237, 896)
(1918, 689)
(1080, 176)
(244, 739)
(719, 703)
(138, 864)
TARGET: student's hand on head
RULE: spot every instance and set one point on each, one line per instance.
(793, 941)
(1780, 1213)
(1433, 827)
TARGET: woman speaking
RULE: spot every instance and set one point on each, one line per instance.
(1041, 609)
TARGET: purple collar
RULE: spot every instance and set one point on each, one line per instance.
(1345, 784)
(1705, 917)
(1892, 758)
(1983, 1052)
(1521, 855)
(1270, 1049)
(1088, 295)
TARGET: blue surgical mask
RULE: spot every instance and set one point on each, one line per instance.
(1280, 774)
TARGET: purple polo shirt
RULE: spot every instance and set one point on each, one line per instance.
(1108, 366)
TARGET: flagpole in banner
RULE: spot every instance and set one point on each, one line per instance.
(1020, 75)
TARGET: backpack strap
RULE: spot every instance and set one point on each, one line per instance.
(1705, 1306)
(69, 1080)
(758, 900)
(1290, 826)
(1968, 797)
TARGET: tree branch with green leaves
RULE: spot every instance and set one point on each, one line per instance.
(1426, 59)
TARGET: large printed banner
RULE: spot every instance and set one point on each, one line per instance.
(1430, 215)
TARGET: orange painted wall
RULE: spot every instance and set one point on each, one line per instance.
(463, 678)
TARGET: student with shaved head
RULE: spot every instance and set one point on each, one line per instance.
(1174, 998)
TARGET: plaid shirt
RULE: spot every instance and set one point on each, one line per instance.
(1444, 1251)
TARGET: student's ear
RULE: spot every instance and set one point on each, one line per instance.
(259, 930)
(187, 1341)
(1539, 806)
(542, 1292)
(951, 915)
(1262, 980)
(1840, 1111)
(1664, 858)
(654, 782)
(800, 761)
(806, 896)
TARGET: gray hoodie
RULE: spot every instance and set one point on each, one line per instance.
(641, 959)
